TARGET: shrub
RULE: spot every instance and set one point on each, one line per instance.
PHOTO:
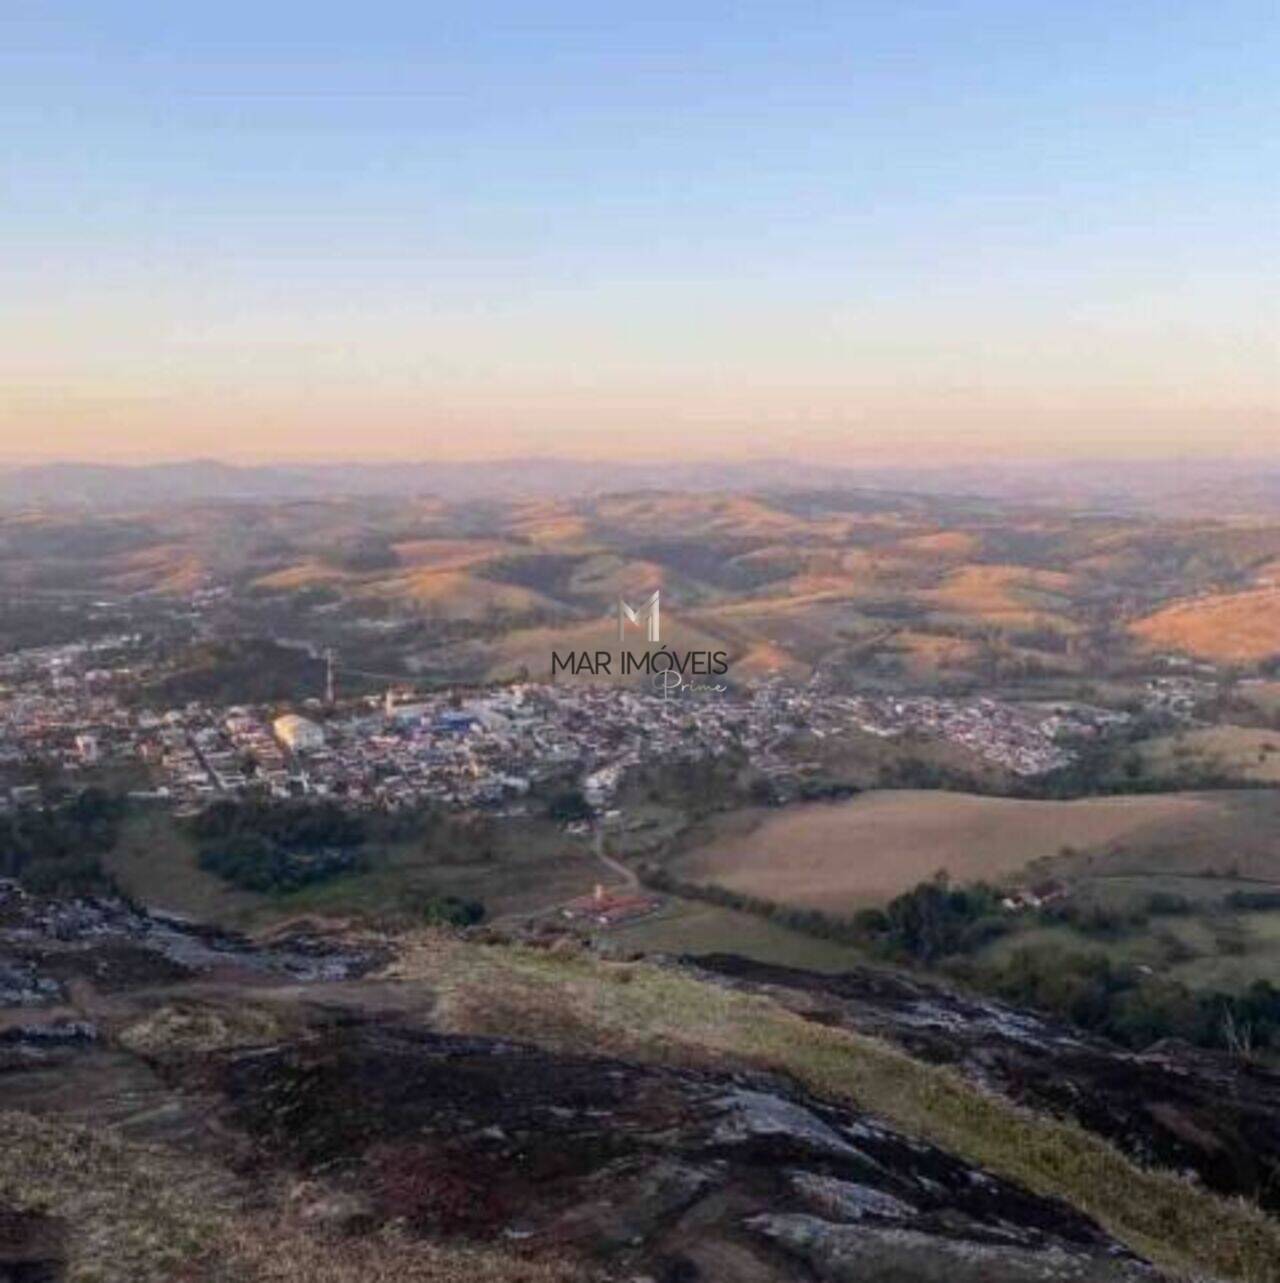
(452, 911)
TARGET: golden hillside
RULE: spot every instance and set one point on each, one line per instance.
(1238, 627)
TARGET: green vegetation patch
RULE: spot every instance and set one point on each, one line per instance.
(58, 850)
(278, 846)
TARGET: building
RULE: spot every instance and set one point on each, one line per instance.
(605, 908)
(456, 722)
(298, 733)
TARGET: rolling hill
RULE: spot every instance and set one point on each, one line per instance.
(929, 591)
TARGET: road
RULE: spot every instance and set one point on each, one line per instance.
(627, 876)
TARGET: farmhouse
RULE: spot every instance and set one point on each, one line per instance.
(609, 908)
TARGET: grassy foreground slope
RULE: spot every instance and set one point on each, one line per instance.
(644, 1011)
(128, 1212)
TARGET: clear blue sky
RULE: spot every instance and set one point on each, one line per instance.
(562, 228)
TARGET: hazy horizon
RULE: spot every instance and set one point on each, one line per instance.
(1205, 459)
(867, 236)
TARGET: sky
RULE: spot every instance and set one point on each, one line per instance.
(856, 232)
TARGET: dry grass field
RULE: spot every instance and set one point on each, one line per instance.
(449, 554)
(1011, 596)
(847, 855)
(306, 574)
(155, 861)
(455, 595)
(1241, 627)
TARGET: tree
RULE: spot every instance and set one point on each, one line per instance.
(452, 911)
(568, 806)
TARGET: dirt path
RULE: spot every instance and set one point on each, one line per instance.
(629, 878)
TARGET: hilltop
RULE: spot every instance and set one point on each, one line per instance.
(184, 1104)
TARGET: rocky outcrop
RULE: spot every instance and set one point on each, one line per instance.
(47, 943)
(1211, 1116)
(657, 1173)
(356, 1109)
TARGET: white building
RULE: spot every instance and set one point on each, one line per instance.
(298, 733)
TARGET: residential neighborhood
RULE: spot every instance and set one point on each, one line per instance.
(66, 706)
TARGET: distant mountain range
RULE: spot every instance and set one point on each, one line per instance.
(1199, 486)
(205, 479)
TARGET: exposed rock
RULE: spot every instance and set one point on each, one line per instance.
(31, 1043)
(847, 1200)
(31, 1247)
(52, 1032)
(863, 1254)
(47, 943)
(1199, 1112)
(22, 986)
(660, 1172)
(209, 1042)
(764, 1116)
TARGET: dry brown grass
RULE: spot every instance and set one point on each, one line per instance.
(166, 568)
(306, 574)
(765, 659)
(548, 522)
(449, 554)
(200, 1027)
(280, 1251)
(926, 653)
(1004, 595)
(844, 856)
(456, 594)
(699, 515)
(945, 545)
(133, 1214)
(137, 1214)
(607, 576)
(1234, 627)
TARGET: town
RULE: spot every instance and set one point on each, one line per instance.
(64, 706)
